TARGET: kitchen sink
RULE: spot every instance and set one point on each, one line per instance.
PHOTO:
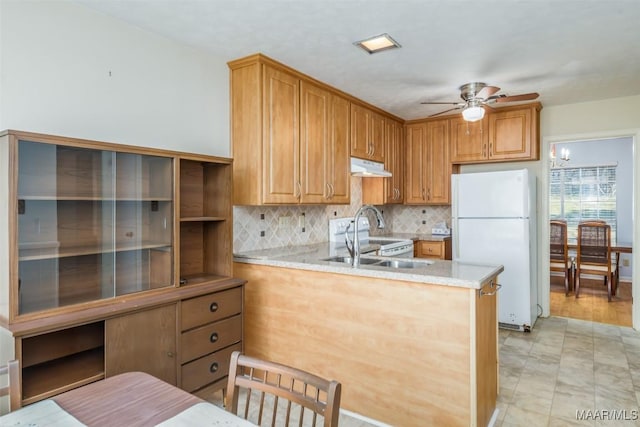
(390, 263)
(393, 263)
(347, 260)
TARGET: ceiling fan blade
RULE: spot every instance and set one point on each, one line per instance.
(442, 103)
(514, 98)
(487, 91)
(445, 111)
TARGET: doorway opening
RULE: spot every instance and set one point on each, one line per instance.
(593, 179)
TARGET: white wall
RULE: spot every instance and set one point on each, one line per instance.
(68, 70)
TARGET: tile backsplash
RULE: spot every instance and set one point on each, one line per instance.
(264, 227)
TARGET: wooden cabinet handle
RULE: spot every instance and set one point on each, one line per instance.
(213, 337)
(298, 190)
(214, 367)
(213, 307)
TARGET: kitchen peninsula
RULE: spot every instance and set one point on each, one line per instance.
(411, 346)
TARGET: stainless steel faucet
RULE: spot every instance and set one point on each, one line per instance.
(354, 246)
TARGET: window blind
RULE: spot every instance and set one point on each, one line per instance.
(583, 193)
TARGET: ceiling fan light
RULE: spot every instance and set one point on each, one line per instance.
(473, 113)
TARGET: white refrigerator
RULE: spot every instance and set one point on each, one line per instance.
(494, 222)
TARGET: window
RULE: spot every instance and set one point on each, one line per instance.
(583, 193)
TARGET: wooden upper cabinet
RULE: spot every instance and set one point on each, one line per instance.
(381, 191)
(290, 136)
(324, 146)
(469, 140)
(416, 163)
(505, 134)
(281, 148)
(339, 160)
(438, 164)
(513, 134)
(367, 133)
(394, 162)
(429, 170)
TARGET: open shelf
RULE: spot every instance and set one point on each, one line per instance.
(58, 361)
(205, 221)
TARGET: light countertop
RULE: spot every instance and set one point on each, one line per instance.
(429, 271)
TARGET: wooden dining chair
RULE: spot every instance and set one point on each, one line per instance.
(11, 371)
(594, 255)
(276, 394)
(559, 259)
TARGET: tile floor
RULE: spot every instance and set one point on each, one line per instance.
(564, 366)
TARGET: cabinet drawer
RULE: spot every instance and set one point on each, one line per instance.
(208, 369)
(209, 308)
(209, 338)
(430, 249)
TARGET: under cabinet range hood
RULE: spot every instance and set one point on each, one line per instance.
(367, 168)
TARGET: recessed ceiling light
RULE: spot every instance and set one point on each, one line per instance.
(378, 43)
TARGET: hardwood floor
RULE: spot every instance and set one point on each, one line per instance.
(592, 304)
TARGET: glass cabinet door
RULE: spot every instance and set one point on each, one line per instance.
(92, 224)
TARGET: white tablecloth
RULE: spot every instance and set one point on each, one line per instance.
(40, 414)
(203, 415)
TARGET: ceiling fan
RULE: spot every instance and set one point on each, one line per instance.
(475, 96)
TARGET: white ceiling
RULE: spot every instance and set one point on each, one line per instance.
(569, 51)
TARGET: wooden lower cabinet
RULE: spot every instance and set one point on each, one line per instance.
(211, 329)
(143, 341)
(183, 336)
(433, 348)
(440, 249)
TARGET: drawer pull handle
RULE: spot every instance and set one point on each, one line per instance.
(213, 337)
(213, 307)
(214, 367)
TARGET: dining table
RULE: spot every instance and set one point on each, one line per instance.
(617, 248)
(128, 399)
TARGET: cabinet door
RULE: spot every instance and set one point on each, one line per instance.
(468, 140)
(438, 167)
(339, 163)
(429, 249)
(394, 163)
(360, 131)
(416, 192)
(314, 143)
(377, 137)
(281, 144)
(144, 341)
(510, 135)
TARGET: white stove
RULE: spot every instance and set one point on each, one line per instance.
(388, 246)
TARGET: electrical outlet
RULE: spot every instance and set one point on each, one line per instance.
(301, 221)
(284, 221)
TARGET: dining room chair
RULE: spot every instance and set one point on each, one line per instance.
(594, 255)
(10, 383)
(559, 258)
(277, 394)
